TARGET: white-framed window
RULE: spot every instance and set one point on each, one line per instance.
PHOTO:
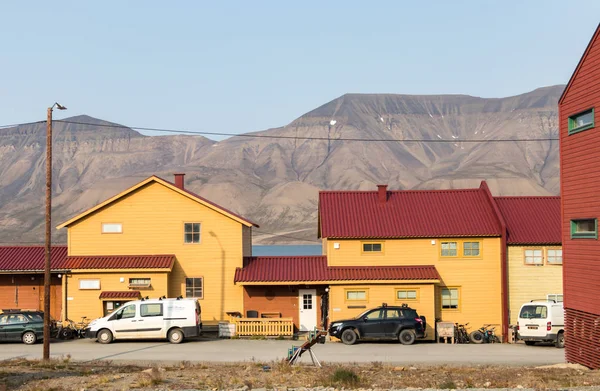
(194, 287)
(557, 297)
(89, 284)
(554, 256)
(139, 282)
(450, 298)
(191, 233)
(112, 228)
(534, 256)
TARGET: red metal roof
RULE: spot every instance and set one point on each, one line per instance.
(120, 295)
(31, 258)
(531, 220)
(314, 269)
(121, 262)
(407, 213)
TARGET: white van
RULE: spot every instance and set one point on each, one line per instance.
(174, 319)
(542, 321)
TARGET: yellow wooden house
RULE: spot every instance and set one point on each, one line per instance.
(534, 250)
(155, 239)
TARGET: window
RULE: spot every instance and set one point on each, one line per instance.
(534, 312)
(193, 287)
(471, 249)
(584, 229)
(449, 249)
(534, 257)
(372, 247)
(139, 282)
(191, 233)
(450, 298)
(307, 302)
(127, 312)
(112, 228)
(582, 121)
(89, 284)
(404, 294)
(393, 314)
(375, 315)
(155, 309)
(557, 297)
(356, 295)
(554, 256)
(16, 319)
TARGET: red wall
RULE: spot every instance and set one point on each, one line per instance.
(580, 196)
(22, 292)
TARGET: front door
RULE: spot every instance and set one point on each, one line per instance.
(372, 324)
(125, 322)
(308, 309)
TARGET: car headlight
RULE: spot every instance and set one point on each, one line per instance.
(335, 325)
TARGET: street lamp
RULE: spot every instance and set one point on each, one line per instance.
(48, 228)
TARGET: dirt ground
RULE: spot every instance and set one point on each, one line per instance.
(67, 375)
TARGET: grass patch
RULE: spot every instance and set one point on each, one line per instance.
(344, 377)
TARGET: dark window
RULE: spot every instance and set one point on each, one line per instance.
(372, 247)
(582, 121)
(377, 314)
(154, 309)
(584, 229)
(193, 287)
(307, 302)
(534, 312)
(191, 232)
(393, 314)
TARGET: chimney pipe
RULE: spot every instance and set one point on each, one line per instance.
(382, 193)
(179, 181)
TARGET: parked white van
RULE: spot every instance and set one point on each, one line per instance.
(174, 319)
(542, 321)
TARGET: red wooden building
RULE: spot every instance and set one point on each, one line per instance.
(579, 110)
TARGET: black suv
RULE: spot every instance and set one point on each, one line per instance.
(385, 322)
(25, 326)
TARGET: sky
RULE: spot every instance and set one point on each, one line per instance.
(240, 66)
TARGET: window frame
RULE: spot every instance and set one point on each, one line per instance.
(416, 290)
(192, 233)
(479, 248)
(348, 290)
(111, 233)
(140, 285)
(88, 280)
(193, 288)
(548, 256)
(590, 235)
(576, 129)
(458, 300)
(372, 252)
(449, 241)
(144, 305)
(542, 261)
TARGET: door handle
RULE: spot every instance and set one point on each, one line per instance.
(133, 321)
(141, 320)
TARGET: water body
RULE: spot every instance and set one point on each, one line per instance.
(287, 250)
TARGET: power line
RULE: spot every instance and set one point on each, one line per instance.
(310, 138)
(21, 124)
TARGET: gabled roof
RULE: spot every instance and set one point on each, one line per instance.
(531, 220)
(170, 185)
(312, 269)
(408, 214)
(595, 36)
(163, 261)
(31, 258)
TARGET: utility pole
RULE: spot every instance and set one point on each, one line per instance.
(48, 241)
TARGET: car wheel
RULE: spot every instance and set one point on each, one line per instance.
(29, 338)
(349, 337)
(407, 337)
(560, 340)
(529, 343)
(105, 336)
(175, 336)
(476, 337)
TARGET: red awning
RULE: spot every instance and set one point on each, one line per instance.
(121, 262)
(120, 295)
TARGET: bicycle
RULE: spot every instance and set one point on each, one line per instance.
(460, 333)
(484, 334)
(75, 329)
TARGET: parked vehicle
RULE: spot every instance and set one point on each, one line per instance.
(24, 326)
(173, 319)
(485, 334)
(72, 329)
(393, 322)
(460, 333)
(542, 321)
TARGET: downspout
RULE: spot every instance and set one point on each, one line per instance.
(503, 260)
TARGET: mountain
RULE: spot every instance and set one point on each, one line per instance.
(274, 180)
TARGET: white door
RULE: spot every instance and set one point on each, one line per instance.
(308, 309)
(125, 322)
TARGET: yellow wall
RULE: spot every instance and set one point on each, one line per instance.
(528, 282)
(153, 218)
(86, 302)
(247, 241)
(382, 293)
(479, 279)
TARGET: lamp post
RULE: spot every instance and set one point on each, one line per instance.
(48, 229)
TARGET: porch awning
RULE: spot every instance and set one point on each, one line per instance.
(120, 295)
